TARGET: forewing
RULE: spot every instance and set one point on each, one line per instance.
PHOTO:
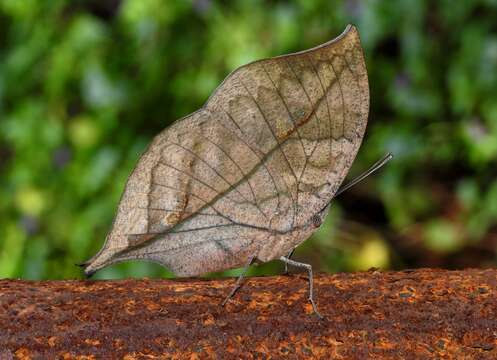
(267, 152)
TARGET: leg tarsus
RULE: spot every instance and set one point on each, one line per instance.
(238, 282)
(311, 285)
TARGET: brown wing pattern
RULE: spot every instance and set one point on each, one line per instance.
(246, 174)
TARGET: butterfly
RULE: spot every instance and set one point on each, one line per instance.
(250, 175)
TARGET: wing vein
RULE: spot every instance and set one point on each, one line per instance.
(262, 162)
(312, 107)
(191, 176)
(341, 95)
(171, 210)
(244, 176)
(325, 94)
(286, 107)
(278, 145)
(208, 203)
(231, 186)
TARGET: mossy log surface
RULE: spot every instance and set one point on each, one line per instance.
(383, 315)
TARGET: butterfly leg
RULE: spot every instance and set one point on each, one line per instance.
(311, 287)
(238, 283)
(288, 257)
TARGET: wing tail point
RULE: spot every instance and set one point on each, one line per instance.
(102, 259)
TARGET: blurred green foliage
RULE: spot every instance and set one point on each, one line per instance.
(84, 85)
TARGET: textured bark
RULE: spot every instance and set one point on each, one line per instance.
(409, 314)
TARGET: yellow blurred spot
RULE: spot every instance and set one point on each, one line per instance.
(30, 201)
(83, 131)
(442, 236)
(373, 253)
(12, 250)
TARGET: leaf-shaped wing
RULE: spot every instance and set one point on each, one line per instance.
(250, 173)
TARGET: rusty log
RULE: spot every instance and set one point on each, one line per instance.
(409, 314)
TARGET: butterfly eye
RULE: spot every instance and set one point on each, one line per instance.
(316, 220)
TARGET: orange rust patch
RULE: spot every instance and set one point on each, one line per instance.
(93, 342)
(23, 354)
(52, 341)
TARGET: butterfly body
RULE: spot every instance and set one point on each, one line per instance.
(252, 173)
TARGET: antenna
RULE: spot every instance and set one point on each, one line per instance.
(376, 166)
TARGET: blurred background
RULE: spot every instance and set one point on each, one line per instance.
(85, 85)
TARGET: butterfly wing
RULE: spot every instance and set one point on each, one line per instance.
(248, 173)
